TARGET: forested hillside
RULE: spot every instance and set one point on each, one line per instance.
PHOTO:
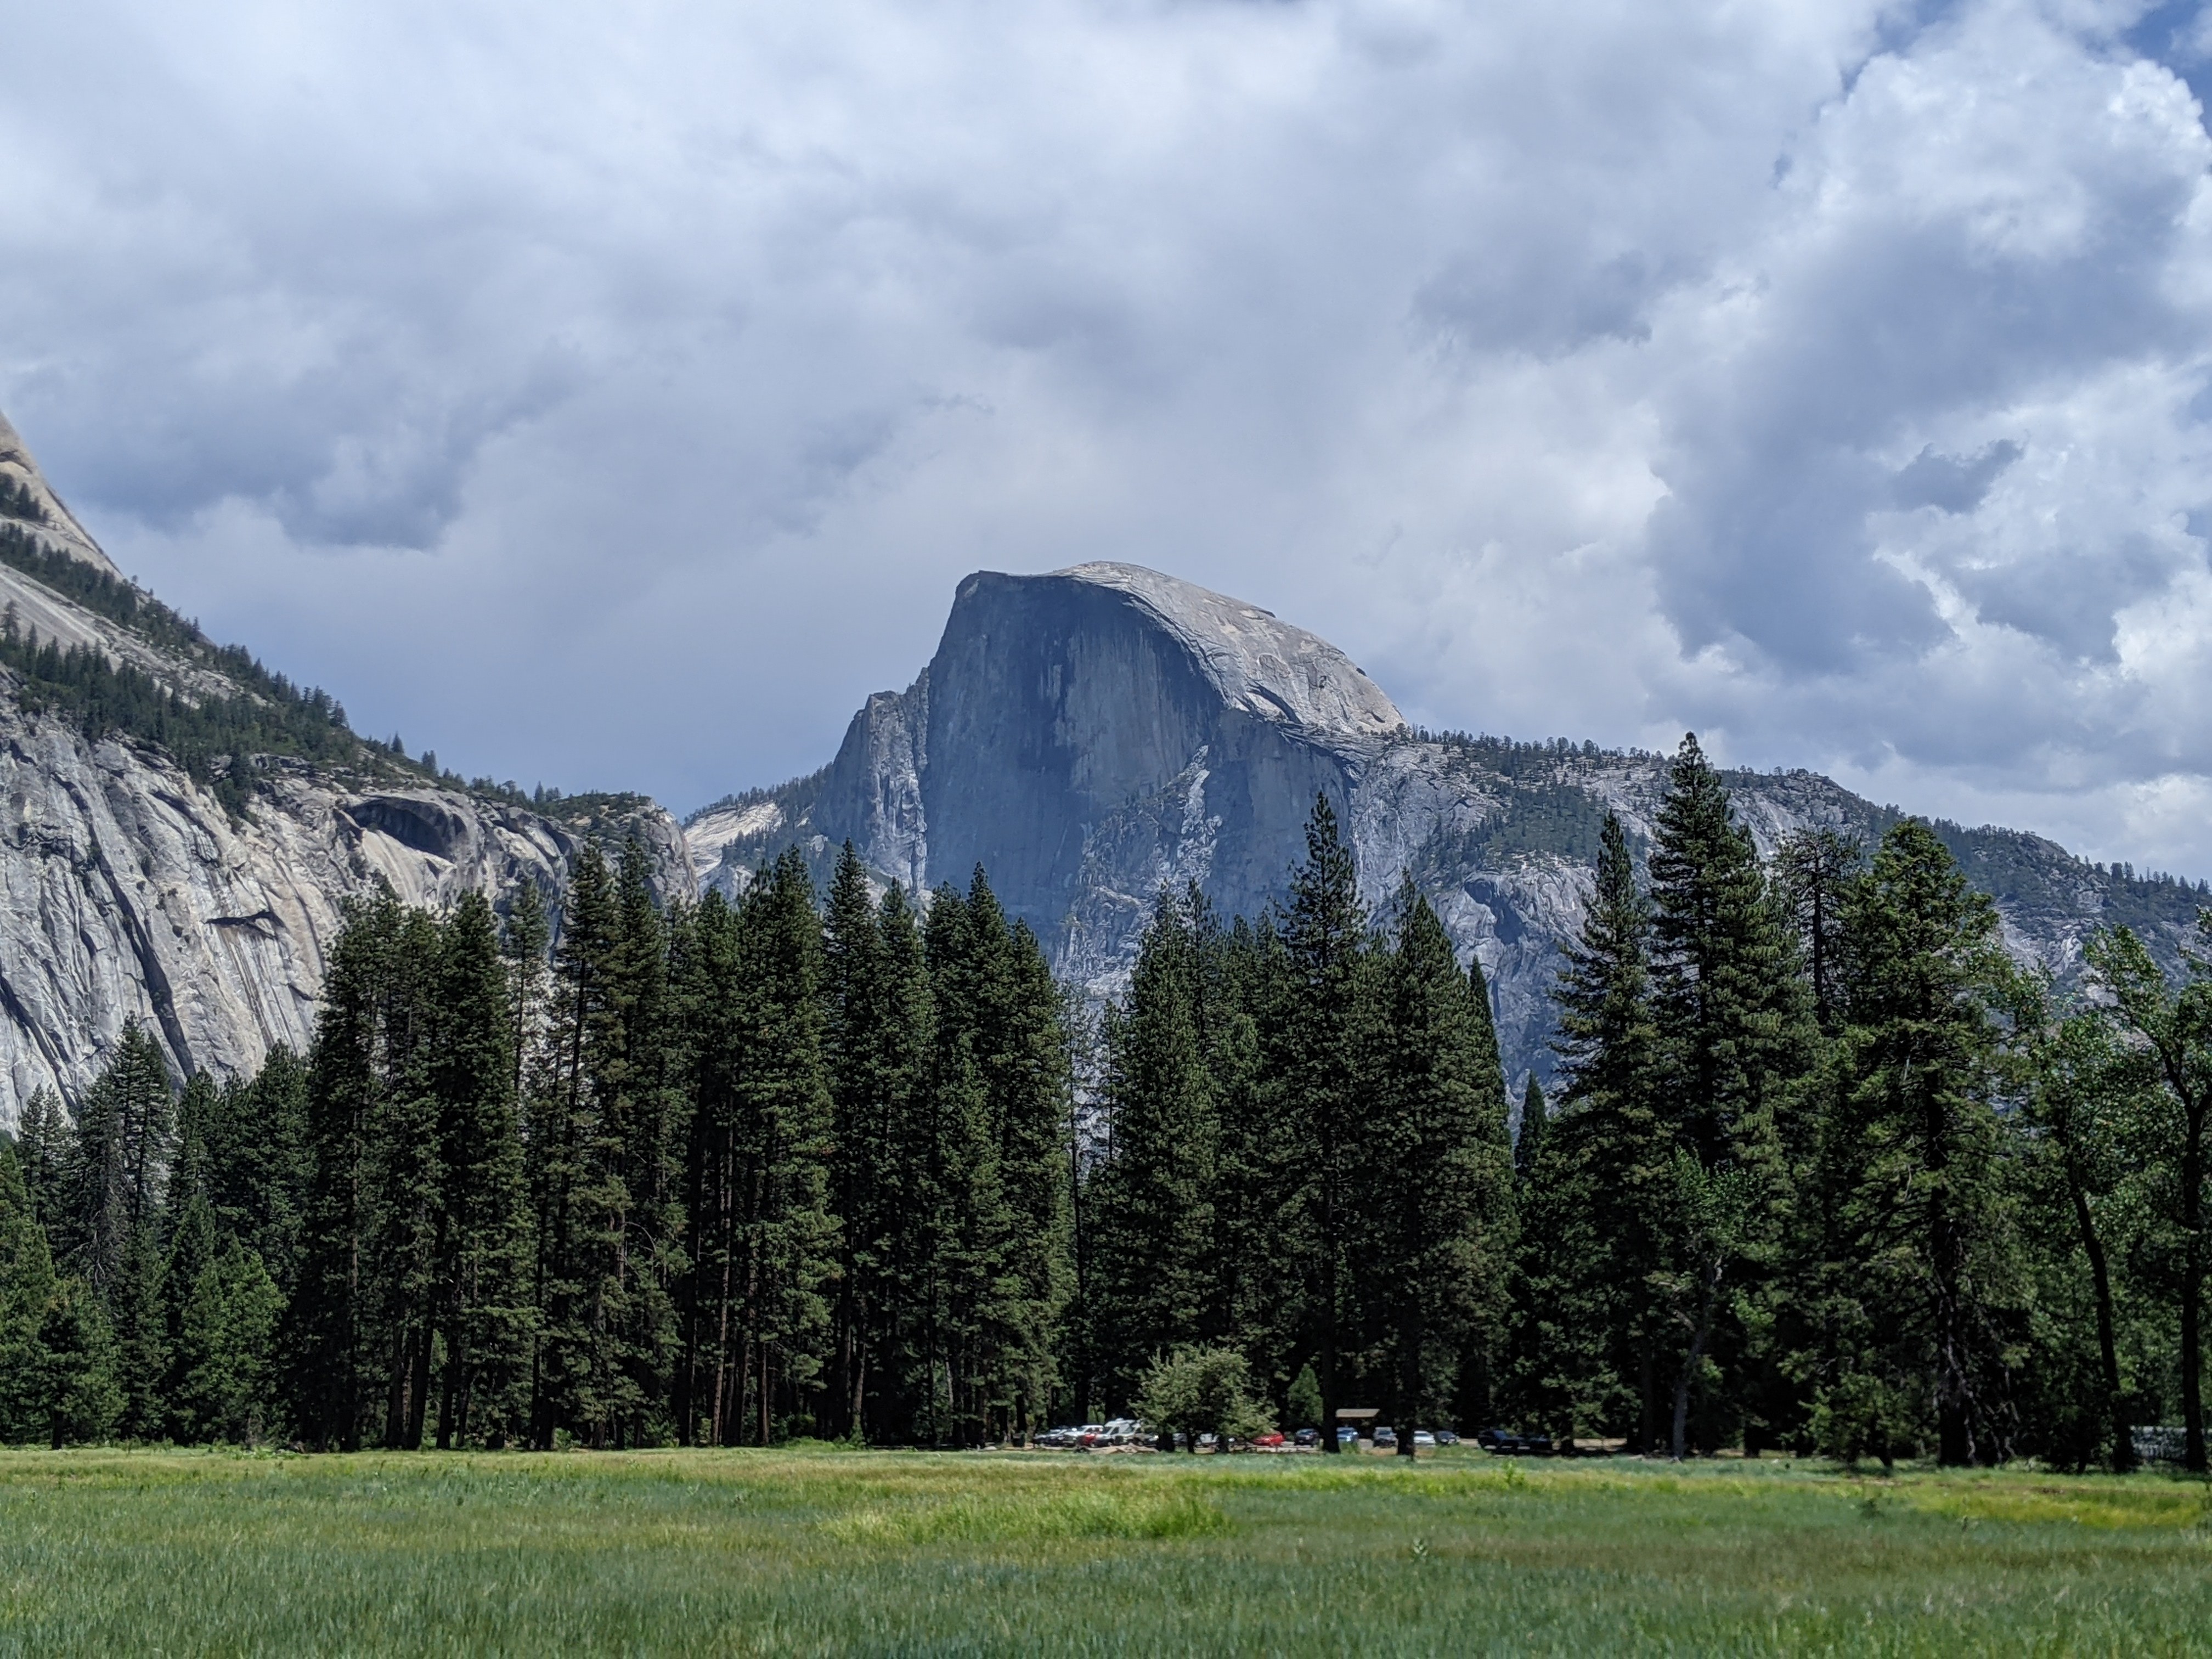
(1827, 1170)
(182, 823)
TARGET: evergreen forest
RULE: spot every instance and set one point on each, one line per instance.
(1822, 1170)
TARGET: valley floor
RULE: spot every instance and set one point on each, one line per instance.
(840, 1551)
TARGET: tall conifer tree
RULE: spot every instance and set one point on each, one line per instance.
(584, 1376)
(1153, 1270)
(330, 1339)
(1437, 1170)
(1586, 1347)
(482, 1227)
(1925, 1282)
(1734, 1035)
(1319, 1040)
(2174, 1024)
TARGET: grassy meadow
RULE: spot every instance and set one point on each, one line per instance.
(840, 1551)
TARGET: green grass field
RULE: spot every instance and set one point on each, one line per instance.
(833, 1552)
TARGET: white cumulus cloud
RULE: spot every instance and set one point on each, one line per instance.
(613, 396)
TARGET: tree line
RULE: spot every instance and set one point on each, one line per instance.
(1826, 1171)
(725, 1173)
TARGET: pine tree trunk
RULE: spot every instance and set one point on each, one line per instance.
(418, 1392)
(1330, 1399)
(1411, 1334)
(858, 1399)
(2123, 1448)
(1647, 1418)
(1691, 1360)
(2192, 1288)
(1954, 1434)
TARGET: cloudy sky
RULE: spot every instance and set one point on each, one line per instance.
(612, 396)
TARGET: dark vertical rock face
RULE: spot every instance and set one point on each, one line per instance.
(1085, 736)
(1090, 735)
(1079, 748)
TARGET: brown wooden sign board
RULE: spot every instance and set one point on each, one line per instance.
(1359, 1413)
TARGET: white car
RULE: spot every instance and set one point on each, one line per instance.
(1423, 1437)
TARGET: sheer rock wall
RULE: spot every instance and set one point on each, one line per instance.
(127, 892)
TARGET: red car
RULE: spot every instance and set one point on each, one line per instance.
(1267, 1441)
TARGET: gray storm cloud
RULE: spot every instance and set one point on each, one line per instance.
(613, 397)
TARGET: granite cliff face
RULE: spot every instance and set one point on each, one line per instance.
(1085, 737)
(130, 891)
(1090, 734)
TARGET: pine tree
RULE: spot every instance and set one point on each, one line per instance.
(482, 1247)
(1434, 1189)
(1154, 1268)
(1586, 1347)
(707, 1409)
(1735, 1034)
(1926, 1263)
(191, 1245)
(115, 1161)
(1813, 869)
(2084, 1090)
(28, 1287)
(650, 1107)
(785, 1231)
(113, 1176)
(876, 999)
(970, 1299)
(2174, 1023)
(908, 1186)
(356, 1339)
(583, 1375)
(406, 1177)
(78, 1389)
(763, 1239)
(1723, 986)
(226, 1383)
(1319, 1041)
(1529, 1142)
(259, 1166)
(997, 1000)
(42, 1146)
(1251, 1303)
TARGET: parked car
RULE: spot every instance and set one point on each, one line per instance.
(1536, 1446)
(1345, 1434)
(1271, 1441)
(1423, 1437)
(1446, 1437)
(1386, 1435)
(1308, 1436)
(1499, 1442)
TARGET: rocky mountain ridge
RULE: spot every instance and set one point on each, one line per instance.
(1090, 734)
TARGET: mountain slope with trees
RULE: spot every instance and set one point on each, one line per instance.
(182, 825)
(805, 1164)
